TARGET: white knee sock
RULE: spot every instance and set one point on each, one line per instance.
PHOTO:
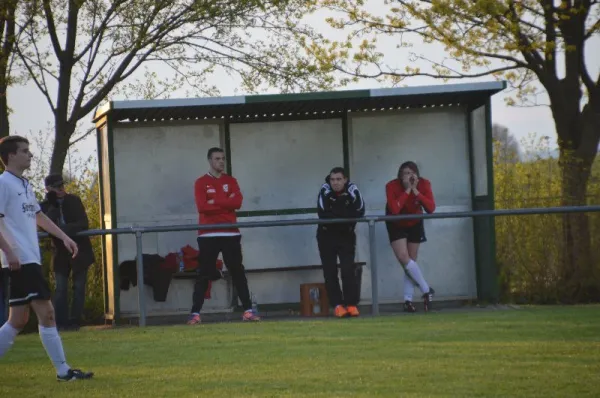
(53, 345)
(415, 272)
(409, 288)
(7, 337)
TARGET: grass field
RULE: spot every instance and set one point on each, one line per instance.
(541, 351)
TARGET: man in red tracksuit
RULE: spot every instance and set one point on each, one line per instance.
(218, 196)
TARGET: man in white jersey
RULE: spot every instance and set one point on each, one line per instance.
(19, 217)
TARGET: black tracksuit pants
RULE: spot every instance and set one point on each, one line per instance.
(342, 245)
(231, 249)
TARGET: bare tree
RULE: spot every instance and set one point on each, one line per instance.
(507, 145)
(10, 33)
(78, 52)
(7, 40)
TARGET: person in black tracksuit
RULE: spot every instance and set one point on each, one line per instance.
(339, 198)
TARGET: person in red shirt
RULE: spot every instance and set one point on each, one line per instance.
(409, 193)
(218, 196)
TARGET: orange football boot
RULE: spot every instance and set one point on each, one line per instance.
(353, 311)
(340, 311)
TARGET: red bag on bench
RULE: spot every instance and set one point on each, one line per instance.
(190, 263)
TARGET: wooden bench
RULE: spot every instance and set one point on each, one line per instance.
(192, 274)
(231, 289)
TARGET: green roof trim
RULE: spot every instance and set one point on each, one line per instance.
(437, 89)
(314, 96)
(300, 105)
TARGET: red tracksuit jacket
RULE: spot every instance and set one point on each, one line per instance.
(227, 197)
(399, 202)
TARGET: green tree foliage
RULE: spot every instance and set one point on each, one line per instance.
(529, 248)
(536, 45)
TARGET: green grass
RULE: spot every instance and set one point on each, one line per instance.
(537, 351)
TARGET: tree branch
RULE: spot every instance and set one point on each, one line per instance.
(585, 75)
(91, 59)
(550, 50)
(536, 62)
(243, 57)
(573, 30)
(8, 25)
(116, 77)
(145, 38)
(22, 31)
(532, 10)
(43, 89)
(463, 48)
(52, 28)
(595, 28)
(97, 35)
(72, 20)
(457, 75)
(83, 136)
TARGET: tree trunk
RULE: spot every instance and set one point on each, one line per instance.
(7, 37)
(577, 266)
(578, 137)
(63, 132)
(4, 123)
(579, 277)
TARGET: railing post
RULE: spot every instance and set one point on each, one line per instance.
(140, 278)
(373, 257)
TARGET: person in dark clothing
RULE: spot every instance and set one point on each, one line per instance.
(67, 211)
(339, 198)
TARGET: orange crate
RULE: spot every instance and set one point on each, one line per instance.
(314, 300)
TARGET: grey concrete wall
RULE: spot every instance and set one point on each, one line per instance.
(437, 141)
(281, 165)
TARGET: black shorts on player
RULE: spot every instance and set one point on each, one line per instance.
(28, 284)
(413, 234)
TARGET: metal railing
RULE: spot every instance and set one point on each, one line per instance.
(371, 220)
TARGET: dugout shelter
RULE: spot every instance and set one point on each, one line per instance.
(280, 148)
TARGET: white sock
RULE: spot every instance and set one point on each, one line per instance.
(7, 337)
(409, 288)
(415, 272)
(53, 345)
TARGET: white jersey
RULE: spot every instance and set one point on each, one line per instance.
(18, 225)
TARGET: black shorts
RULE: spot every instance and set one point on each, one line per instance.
(414, 234)
(28, 284)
